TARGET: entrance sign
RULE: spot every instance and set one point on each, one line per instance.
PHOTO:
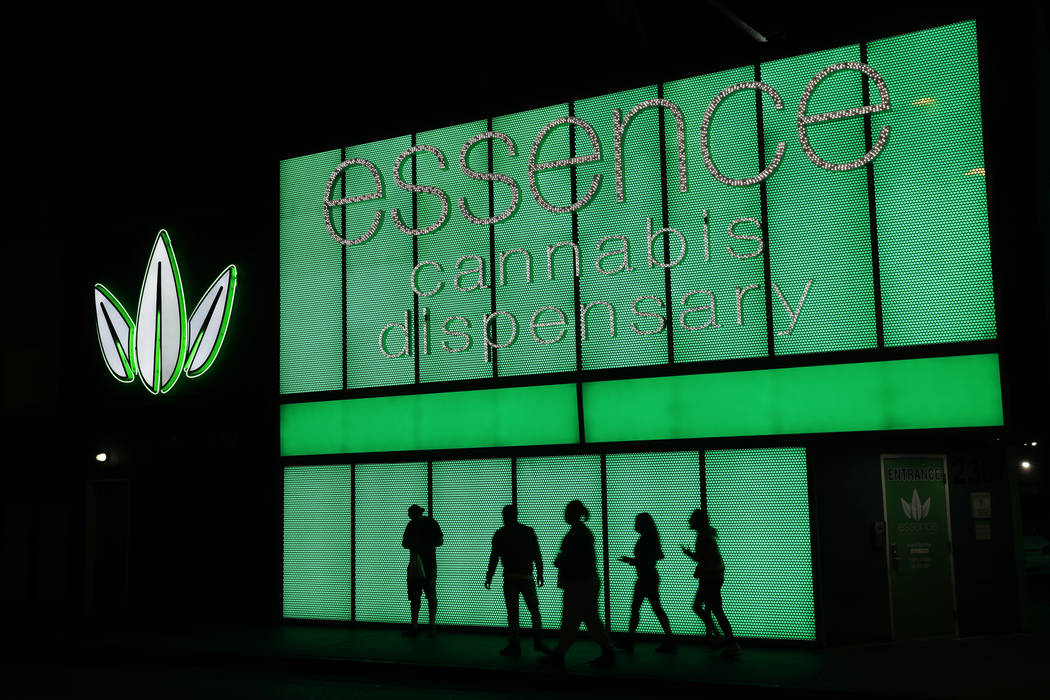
(163, 341)
(918, 532)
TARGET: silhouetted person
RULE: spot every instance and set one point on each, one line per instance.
(517, 546)
(578, 579)
(710, 575)
(422, 537)
(647, 552)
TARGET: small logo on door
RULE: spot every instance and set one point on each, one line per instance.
(916, 510)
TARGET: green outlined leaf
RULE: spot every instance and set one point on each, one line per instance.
(907, 508)
(207, 324)
(116, 334)
(160, 336)
(926, 507)
(916, 505)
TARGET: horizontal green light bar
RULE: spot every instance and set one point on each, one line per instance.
(941, 392)
(531, 415)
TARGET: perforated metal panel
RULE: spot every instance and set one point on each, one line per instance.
(311, 279)
(733, 146)
(667, 486)
(469, 496)
(818, 219)
(604, 216)
(532, 229)
(758, 502)
(317, 542)
(545, 487)
(384, 493)
(931, 202)
(456, 238)
(376, 271)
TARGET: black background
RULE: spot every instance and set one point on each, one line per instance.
(125, 124)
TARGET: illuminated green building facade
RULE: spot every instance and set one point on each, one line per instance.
(688, 294)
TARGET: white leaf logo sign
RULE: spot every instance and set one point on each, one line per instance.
(163, 342)
(916, 510)
(160, 336)
(116, 335)
(208, 323)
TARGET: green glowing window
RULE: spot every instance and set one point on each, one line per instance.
(667, 486)
(447, 246)
(311, 320)
(545, 486)
(469, 497)
(733, 140)
(604, 216)
(759, 504)
(532, 229)
(818, 220)
(317, 542)
(384, 492)
(931, 203)
(375, 271)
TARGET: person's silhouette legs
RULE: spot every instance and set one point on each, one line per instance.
(711, 634)
(510, 597)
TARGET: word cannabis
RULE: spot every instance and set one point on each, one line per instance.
(619, 129)
(426, 281)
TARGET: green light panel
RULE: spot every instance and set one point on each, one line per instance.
(932, 207)
(311, 320)
(604, 216)
(531, 415)
(532, 229)
(457, 237)
(733, 143)
(939, 392)
(317, 542)
(759, 504)
(819, 224)
(667, 486)
(545, 486)
(376, 270)
(384, 493)
(468, 500)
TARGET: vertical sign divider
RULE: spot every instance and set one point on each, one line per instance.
(430, 488)
(667, 223)
(876, 283)
(764, 213)
(342, 255)
(415, 261)
(492, 257)
(353, 542)
(576, 282)
(703, 481)
(605, 546)
(514, 481)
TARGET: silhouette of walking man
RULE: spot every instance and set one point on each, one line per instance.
(710, 575)
(647, 552)
(517, 546)
(578, 579)
(422, 537)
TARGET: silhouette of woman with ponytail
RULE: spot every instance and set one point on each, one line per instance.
(647, 552)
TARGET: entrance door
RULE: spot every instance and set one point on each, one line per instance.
(919, 554)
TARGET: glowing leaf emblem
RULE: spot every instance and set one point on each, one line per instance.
(116, 333)
(163, 342)
(208, 322)
(916, 510)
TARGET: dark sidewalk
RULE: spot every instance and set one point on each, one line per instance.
(458, 663)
